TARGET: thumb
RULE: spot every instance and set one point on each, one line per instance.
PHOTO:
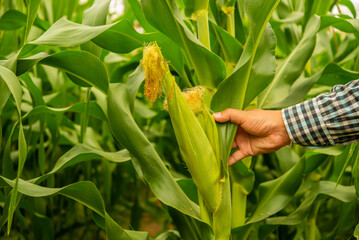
(232, 115)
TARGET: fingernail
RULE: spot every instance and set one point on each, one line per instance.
(217, 115)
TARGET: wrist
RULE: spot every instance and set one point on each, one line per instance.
(282, 129)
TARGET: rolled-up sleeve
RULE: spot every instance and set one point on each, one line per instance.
(329, 119)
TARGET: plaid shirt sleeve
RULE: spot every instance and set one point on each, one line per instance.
(329, 119)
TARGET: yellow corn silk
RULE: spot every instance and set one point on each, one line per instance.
(153, 67)
(195, 136)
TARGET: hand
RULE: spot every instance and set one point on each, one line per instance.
(259, 131)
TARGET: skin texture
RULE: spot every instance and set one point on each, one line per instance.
(259, 131)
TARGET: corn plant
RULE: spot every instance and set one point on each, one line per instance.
(114, 115)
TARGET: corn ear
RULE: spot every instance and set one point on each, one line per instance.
(194, 145)
(210, 128)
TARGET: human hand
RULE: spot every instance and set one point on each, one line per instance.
(259, 131)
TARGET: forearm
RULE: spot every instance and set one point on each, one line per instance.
(329, 119)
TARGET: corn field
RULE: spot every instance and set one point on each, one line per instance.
(106, 127)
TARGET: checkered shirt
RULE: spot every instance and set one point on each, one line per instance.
(329, 119)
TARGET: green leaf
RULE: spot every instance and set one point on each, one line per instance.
(83, 68)
(350, 6)
(298, 91)
(243, 176)
(264, 66)
(145, 157)
(345, 25)
(313, 161)
(168, 235)
(276, 194)
(119, 37)
(355, 173)
(236, 84)
(94, 16)
(231, 47)
(292, 67)
(189, 228)
(97, 14)
(31, 15)
(353, 149)
(137, 78)
(14, 86)
(12, 20)
(5, 94)
(137, 11)
(166, 17)
(126, 131)
(356, 232)
(333, 75)
(317, 7)
(85, 193)
(94, 111)
(123, 38)
(242, 232)
(114, 231)
(65, 33)
(342, 193)
(81, 153)
(21, 162)
(25, 64)
(195, 6)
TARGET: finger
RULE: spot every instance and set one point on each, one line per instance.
(232, 115)
(234, 145)
(236, 156)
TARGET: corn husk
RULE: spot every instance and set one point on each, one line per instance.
(195, 147)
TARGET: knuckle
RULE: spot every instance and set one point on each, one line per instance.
(228, 111)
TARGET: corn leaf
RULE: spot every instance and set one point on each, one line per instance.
(350, 6)
(65, 33)
(292, 67)
(356, 232)
(355, 173)
(126, 131)
(119, 37)
(334, 74)
(276, 194)
(317, 7)
(96, 15)
(264, 66)
(236, 84)
(189, 228)
(91, 71)
(85, 193)
(140, 16)
(195, 6)
(94, 110)
(330, 189)
(345, 25)
(14, 86)
(195, 147)
(81, 153)
(166, 17)
(123, 38)
(12, 20)
(32, 9)
(231, 47)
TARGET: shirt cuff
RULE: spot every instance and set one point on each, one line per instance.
(305, 124)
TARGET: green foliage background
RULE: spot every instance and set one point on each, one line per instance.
(84, 156)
